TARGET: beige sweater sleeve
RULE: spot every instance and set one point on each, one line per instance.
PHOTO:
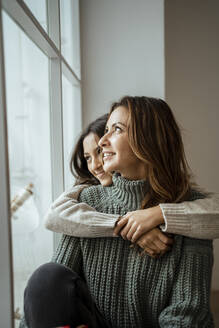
(68, 216)
(196, 219)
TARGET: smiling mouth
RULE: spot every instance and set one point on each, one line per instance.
(100, 175)
(107, 155)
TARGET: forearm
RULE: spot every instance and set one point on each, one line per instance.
(80, 220)
(66, 215)
(196, 219)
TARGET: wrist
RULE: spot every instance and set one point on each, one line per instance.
(157, 215)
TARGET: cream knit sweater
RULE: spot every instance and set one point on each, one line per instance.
(196, 219)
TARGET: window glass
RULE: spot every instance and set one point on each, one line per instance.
(27, 93)
(71, 124)
(38, 9)
(69, 15)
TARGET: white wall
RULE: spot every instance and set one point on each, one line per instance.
(192, 86)
(122, 52)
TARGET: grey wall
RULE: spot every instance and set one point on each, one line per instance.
(122, 52)
(192, 86)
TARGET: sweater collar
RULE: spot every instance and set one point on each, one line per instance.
(129, 191)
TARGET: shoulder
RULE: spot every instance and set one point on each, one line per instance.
(195, 194)
(97, 196)
(70, 194)
(92, 194)
(75, 189)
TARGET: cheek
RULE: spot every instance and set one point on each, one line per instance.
(125, 148)
(89, 167)
(100, 159)
(128, 154)
(119, 143)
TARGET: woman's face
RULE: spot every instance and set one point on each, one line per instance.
(117, 153)
(94, 158)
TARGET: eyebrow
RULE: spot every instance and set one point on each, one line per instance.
(118, 123)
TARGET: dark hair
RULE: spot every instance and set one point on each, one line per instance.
(155, 138)
(78, 164)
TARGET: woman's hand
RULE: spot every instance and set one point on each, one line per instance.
(155, 243)
(134, 224)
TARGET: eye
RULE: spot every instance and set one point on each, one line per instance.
(87, 158)
(117, 128)
(99, 150)
(106, 130)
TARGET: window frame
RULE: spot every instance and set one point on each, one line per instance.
(6, 267)
(24, 18)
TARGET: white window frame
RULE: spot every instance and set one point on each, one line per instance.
(22, 15)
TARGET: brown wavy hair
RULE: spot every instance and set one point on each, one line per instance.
(155, 138)
(78, 164)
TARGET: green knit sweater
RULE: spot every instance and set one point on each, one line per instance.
(133, 290)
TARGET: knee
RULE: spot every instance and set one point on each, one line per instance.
(46, 297)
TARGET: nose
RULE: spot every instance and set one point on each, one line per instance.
(97, 163)
(103, 141)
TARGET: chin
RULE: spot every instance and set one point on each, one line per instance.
(106, 182)
(109, 168)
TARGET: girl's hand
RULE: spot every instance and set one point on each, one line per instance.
(155, 243)
(134, 224)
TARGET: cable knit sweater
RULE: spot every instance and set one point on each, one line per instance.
(133, 290)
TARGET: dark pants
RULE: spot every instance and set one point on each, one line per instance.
(56, 296)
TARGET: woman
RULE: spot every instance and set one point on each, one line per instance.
(143, 145)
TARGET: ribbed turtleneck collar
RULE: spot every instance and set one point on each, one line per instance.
(129, 191)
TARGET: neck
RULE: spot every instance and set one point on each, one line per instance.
(135, 174)
(130, 192)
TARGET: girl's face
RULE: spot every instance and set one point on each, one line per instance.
(117, 153)
(94, 158)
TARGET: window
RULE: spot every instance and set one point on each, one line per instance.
(38, 8)
(29, 151)
(42, 87)
(71, 109)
